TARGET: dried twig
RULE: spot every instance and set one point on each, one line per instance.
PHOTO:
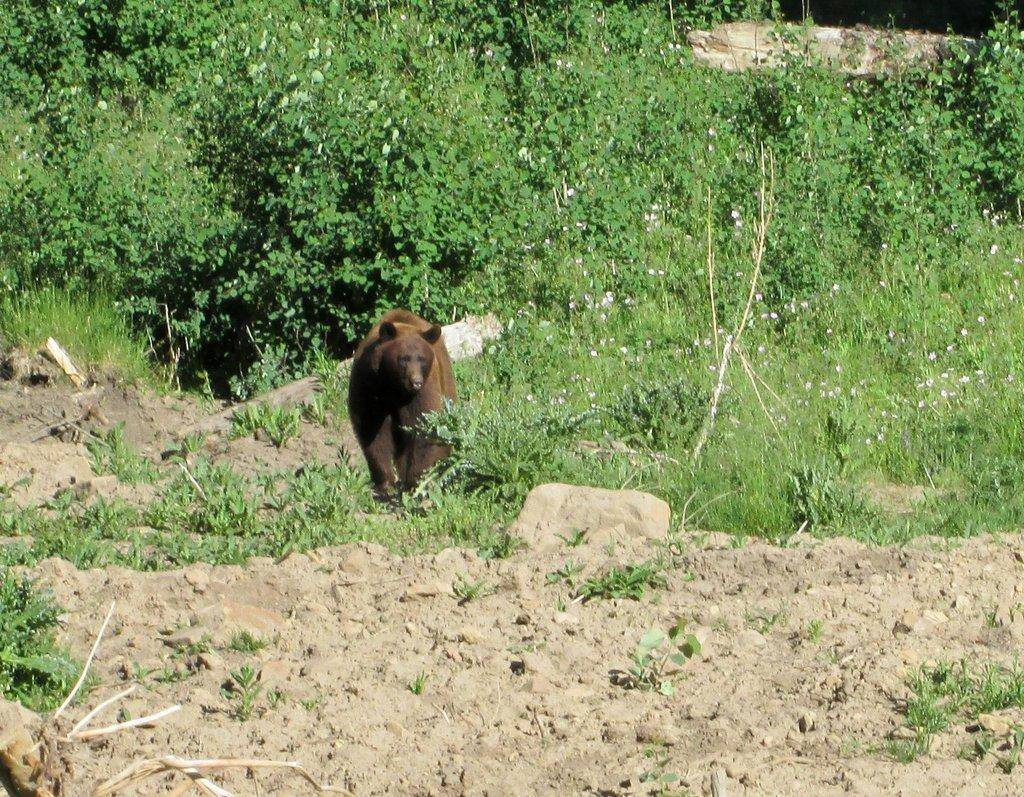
(765, 208)
(192, 479)
(195, 769)
(85, 720)
(711, 281)
(149, 719)
(88, 662)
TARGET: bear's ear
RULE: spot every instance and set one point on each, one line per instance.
(388, 331)
(432, 335)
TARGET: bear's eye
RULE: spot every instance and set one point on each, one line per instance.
(423, 360)
(403, 359)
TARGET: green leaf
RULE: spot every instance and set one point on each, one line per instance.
(652, 639)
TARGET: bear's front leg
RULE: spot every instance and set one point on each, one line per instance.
(380, 457)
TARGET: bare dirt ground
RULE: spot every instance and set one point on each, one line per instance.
(519, 689)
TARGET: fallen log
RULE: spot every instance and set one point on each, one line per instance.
(56, 352)
(738, 46)
(464, 339)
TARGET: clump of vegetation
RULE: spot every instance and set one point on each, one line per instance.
(946, 691)
(418, 684)
(34, 669)
(655, 652)
(112, 454)
(244, 689)
(466, 590)
(628, 581)
(280, 424)
(246, 642)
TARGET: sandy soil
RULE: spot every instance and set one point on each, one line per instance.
(520, 694)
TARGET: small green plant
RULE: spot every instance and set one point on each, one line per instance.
(33, 668)
(275, 697)
(310, 703)
(245, 690)
(203, 645)
(939, 694)
(574, 540)
(111, 454)
(765, 622)
(172, 675)
(653, 654)
(418, 684)
(814, 631)
(566, 574)
(280, 424)
(188, 446)
(628, 581)
(657, 775)
(246, 642)
(500, 546)
(466, 590)
(1008, 762)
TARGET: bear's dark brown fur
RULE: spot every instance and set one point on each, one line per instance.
(401, 370)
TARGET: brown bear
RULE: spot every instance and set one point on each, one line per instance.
(400, 371)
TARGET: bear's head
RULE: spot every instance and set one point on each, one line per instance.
(407, 355)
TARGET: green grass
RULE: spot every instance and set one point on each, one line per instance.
(626, 582)
(954, 691)
(280, 424)
(246, 642)
(110, 453)
(95, 334)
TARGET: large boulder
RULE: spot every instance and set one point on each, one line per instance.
(554, 513)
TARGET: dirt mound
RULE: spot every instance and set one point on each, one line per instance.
(44, 429)
(516, 681)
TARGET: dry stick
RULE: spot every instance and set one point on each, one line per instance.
(149, 719)
(192, 479)
(757, 254)
(753, 383)
(88, 661)
(764, 384)
(711, 280)
(85, 720)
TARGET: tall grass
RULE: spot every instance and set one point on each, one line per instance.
(94, 332)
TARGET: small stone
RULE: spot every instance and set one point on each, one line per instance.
(994, 724)
(471, 636)
(962, 603)
(538, 685)
(185, 637)
(210, 661)
(425, 590)
(903, 733)
(657, 731)
(275, 673)
(536, 664)
(355, 563)
(806, 722)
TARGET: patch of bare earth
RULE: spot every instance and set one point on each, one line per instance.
(518, 696)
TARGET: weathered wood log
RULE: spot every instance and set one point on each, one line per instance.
(56, 352)
(464, 339)
(738, 46)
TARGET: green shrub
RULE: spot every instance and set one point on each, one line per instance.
(33, 668)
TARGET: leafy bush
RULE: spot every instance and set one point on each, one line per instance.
(33, 668)
(269, 176)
